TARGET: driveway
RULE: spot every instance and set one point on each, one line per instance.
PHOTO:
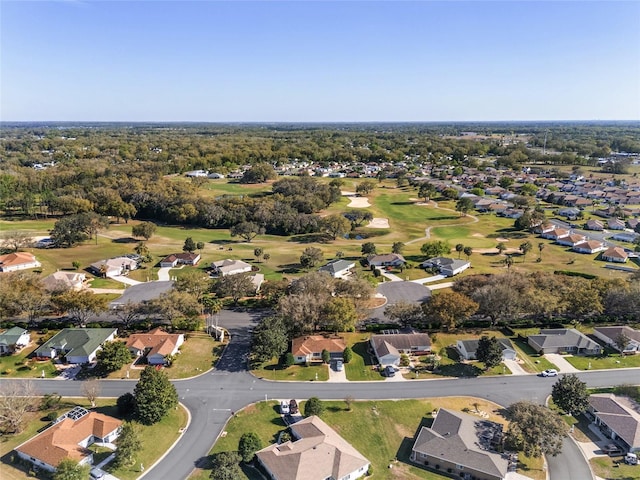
(561, 363)
(126, 280)
(336, 376)
(434, 278)
(163, 274)
(515, 367)
(390, 276)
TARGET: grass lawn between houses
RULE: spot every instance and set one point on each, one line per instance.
(300, 372)
(155, 439)
(383, 431)
(612, 360)
(19, 366)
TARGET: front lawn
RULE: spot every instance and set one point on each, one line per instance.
(613, 468)
(107, 283)
(362, 366)
(613, 360)
(532, 362)
(301, 372)
(383, 431)
(19, 366)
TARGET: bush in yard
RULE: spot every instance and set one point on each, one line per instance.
(226, 466)
(347, 355)
(570, 394)
(326, 356)
(288, 359)
(51, 416)
(69, 469)
(248, 446)
(128, 445)
(126, 404)
(154, 395)
(313, 406)
(404, 360)
(113, 356)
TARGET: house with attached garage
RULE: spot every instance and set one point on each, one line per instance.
(555, 234)
(389, 347)
(175, 259)
(309, 349)
(77, 345)
(612, 335)
(589, 246)
(563, 340)
(388, 260)
(468, 349)
(62, 281)
(113, 267)
(157, 345)
(69, 437)
(338, 268)
(446, 266)
(618, 418)
(615, 254)
(230, 267)
(14, 340)
(13, 262)
(315, 451)
(462, 445)
(571, 240)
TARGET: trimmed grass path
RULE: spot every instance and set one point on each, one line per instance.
(427, 230)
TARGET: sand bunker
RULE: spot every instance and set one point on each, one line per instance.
(379, 223)
(359, 202)
(478, 235)
(500, 239)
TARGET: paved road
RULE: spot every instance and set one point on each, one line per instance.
(212, 397)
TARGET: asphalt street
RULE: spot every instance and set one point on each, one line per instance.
(213, 396)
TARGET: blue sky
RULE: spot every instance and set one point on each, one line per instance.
(305, 61)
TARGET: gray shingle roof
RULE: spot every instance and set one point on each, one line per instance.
(564, 337)
(620, 416)
(471, 346)
(336, 266)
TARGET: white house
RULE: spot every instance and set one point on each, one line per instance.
(61, 280)
(230, 267)
(615, 254)
(468, 349)
(447, 266)
(338, 268)
(18, 261)
(157, 345)
(13, 340)
(175, 259)
(589, 246)
(113, 267)
(77, 345)
(388, 348)
(196, 173)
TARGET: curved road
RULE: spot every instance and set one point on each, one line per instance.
(212, 397)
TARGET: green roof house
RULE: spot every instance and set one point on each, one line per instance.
(78, 345)
(13, 340)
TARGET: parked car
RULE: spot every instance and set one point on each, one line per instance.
(339, 366)
(293, 406)
(612, 450)
(549, 373)
(284, 407)
(631, 459)
(389, 371)
(97, 474)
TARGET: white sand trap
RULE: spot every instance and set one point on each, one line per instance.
(379, 223)
(478, 235)
(359, 202)
(500, 239)
(345, 193)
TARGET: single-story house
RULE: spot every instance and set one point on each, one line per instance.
(560, 340)
(18, 261)
(589, 246)
(78, 345)
(555, 234)
(615, 224)
(544, 228)
(314, 451)
(338, 268)
(309, 349)
(610, 335)
(230, 267)
(632, 223)
(468, 349)
(447, 266)
(157, 345)
(615, 254)
(571, 240)
(630, 237)
(388, 260)
(13, 340)
(196, 173)
(617, 418)
(175, 259)
(62, 281)
(389, 347)
(113, 267)
(69, 437)
(570, 213)
(594, 225)
(462, 444)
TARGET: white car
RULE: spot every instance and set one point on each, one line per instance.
(284, 407)
(339, 366)
(549, 373)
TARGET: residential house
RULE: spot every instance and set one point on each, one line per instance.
(18, 261)
(338, 268)
(63, 281)
(589, 246)
(230, 267)
(563, 340)
(315, 451)
(389, 347)
(388, 260)
(618, 418)
(462, 445)
(594, 225)
(196, 173)
(157, 345)
(68, 438)
(571, 240)
(571, 213)
(545, 228)
(113, 267)
(555, 234)
(611, 335)
(13, 340)
(632, 223)
(176, 259)
(309, 349)
(468, 349)
(630, 237)
(615, 224)
(615, 254)
(446, 266)
(77, 345)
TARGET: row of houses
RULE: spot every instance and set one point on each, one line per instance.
(582, 244)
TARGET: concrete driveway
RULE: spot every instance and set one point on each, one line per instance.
(561, 363)
(515, 367)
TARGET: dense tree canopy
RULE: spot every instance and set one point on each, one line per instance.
(535, 429)
(155, 395)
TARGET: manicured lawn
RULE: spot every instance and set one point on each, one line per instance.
(198, 353)
(383, 431)
(362, 366)
(19, 366)
(613, 360)
(607, 467)
(533, 362)
(106, 283)
(273, 371)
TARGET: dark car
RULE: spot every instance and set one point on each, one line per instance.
(293, 406)
(389, 371)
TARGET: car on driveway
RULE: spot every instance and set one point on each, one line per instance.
(612, 450)
(284, 407)
(389, 371)
(293, 406)
(549, 373)
(339, 366)
(97, 474)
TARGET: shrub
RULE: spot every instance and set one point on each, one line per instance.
(287, 360)
(126, 404)
(347, 355)
(51, 416)
(370, 470)
(404, 360)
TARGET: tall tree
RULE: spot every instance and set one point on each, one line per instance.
(336, 225)
(449, 308)
(525, 248)
(234, 286)
(501, 247)
(270, 339)
(365, 188)
(405, 313)
(340, 315)
(468, 251)
(459, 249)
(311, 257)
(189, 245)
(129, 444)
(397, 248)
(226, 466)
(144, 230)
(69, 469)
(464, 205)
(435, 248)
(91, 389)
(17, 400)
(258, 252)
(489, 351)
(368, 248)
(79, 305)
(535, 429)
(248, 445)
(247, 231)
(570, 394)
(155, 395)
(113, 356)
